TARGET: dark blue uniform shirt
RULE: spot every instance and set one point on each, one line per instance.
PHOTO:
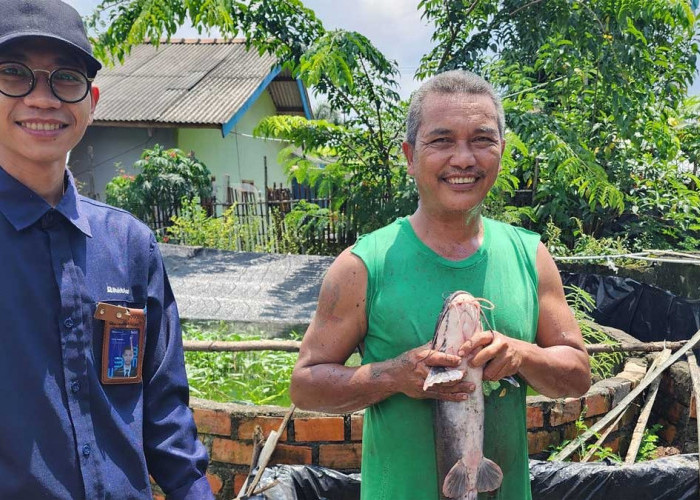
(64, 434)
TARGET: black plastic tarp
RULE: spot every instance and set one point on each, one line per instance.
(308, 482)
(669, 478)
(646, 312)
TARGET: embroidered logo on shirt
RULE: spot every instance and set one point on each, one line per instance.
(117, 289)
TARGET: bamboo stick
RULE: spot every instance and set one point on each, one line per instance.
(243, 345)
(268, 449)
(612, 414)
(638, 432)
(603, 437)
(294, 345)
(634, 347)
(695, 377)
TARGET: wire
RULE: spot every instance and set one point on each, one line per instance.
(645, 255)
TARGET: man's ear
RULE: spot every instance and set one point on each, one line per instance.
(503, 148)
(94, 97)
(408, 151)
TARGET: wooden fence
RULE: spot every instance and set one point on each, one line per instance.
(260, 224)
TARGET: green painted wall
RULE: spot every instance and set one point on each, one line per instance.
(237, 155)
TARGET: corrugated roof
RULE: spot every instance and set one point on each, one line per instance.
(196, 82)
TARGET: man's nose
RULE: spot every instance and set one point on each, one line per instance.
(42, 95)
(462, 155)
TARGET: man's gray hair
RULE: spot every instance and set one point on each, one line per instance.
(450, 82)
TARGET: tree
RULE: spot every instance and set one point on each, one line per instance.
(594, 89)
(167, 178)
(361, 166)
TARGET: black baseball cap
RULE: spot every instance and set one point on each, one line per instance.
(52, 19)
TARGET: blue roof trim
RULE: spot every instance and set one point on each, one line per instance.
(229, 125)
(304, 100)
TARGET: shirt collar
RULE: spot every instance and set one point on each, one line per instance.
(22, 207)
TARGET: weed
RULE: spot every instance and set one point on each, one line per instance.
(260, 377)
(604, 364)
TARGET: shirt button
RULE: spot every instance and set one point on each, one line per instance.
(75, 387)
(68, 323)
(86, 450)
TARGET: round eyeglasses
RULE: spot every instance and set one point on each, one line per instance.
(68, 85)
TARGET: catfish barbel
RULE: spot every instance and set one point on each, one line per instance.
(459, 425)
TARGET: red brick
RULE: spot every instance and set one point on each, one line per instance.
(540, 441)
(238, 480)
(267, 424)
(535, 417)
(340, 456)
(319, 429)
(570, 431)
(674, 412)
(564, 411)
(231, 452)
(597, 404)
(289, 454)
(356, 422)
(614, 445)
(212, 422)
(215, 482)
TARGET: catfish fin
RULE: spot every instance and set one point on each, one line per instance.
(440, 375)
(489, 476)
(455, 484)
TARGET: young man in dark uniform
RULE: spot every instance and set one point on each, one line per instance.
(80, 279)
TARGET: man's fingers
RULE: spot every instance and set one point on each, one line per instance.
(477, 342)
(437, 358)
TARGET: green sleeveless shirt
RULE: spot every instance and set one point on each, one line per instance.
(407, 283)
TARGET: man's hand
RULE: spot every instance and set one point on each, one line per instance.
(412, 367)
(498, 354)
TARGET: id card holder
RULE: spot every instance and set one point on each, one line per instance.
(122, 343)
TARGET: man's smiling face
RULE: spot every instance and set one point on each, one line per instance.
(457, 155)
(38, 130)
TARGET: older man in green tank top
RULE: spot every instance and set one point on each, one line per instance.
(386, 291)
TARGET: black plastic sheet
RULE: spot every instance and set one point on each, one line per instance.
(646, 312)
(669, 478)
(308, 482)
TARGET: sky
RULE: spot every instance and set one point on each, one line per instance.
(393, 26)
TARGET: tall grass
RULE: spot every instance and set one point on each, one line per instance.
(258, 378)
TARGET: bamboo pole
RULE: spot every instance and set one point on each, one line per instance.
(695, 377)
(634, 347)
(638, 432)
(243, 345)
(612, 414)
(268, 449)
(294, 345)
(602, 438)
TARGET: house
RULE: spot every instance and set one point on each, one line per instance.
(202, 96)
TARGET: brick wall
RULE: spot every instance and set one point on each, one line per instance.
(335, 441)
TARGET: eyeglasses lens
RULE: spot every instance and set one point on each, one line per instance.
(17, 80)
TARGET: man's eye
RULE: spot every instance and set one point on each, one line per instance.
(68, 77)
(13, 71)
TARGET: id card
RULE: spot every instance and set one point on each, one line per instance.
(122, 343)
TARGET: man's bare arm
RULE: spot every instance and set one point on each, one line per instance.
(558, 366)
(321, 382)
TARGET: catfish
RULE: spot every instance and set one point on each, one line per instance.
(459, 425)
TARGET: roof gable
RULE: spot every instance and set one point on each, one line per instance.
(206, 83)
